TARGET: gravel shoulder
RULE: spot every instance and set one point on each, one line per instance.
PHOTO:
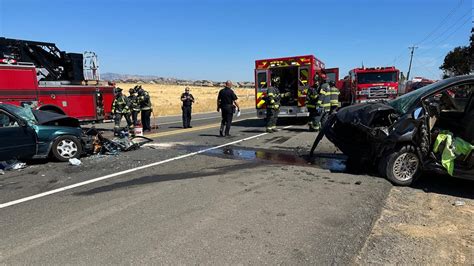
(423, 225)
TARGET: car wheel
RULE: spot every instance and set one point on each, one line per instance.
(402, 167)
(66, 147)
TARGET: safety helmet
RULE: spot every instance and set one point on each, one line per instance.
(131, 90)
(118, 89)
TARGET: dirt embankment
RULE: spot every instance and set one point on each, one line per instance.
(166, 98)
(424, 226)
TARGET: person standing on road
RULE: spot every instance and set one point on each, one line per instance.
(272, 100)
(188, 100)
(145, 108)
(120, 108)
(324, 101)
(227, 102)
(334, 98)
(134, 105)
(311, 102)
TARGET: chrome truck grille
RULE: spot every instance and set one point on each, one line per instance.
(378, 92)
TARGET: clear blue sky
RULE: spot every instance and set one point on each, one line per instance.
(220, 39)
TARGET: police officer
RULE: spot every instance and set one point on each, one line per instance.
(188, 100)
(311, 102)
(227, 102)
(134, 105)
(145, 108)
(120, 108)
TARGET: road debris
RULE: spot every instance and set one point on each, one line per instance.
(458, 203)
(12, 165)
(122, 143)
(75, 162)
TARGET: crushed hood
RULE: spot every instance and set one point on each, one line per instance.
(54, 119)
(366, 114)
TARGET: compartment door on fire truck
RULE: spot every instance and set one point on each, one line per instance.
(261, 86)
(303, 84)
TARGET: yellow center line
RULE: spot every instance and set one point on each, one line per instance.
(186, 130)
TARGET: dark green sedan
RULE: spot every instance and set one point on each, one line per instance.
(30, 134)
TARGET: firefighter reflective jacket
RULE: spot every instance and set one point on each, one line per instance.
(334, 97)
(311, 100)
(273, 98)
(134, 102)
(121, 105)
(324, 97)
(144, 99)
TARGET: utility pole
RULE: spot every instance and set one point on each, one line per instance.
(411, 58)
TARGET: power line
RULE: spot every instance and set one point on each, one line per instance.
(450, 27)
(447, 37)
(441, 23)
(451, 12)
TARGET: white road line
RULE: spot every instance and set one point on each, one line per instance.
(196, 119)
(54, 191)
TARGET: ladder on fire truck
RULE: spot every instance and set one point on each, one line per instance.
(91, 67)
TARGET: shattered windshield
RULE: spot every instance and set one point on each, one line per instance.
(406, 102)
(23, 112)
(376, 77)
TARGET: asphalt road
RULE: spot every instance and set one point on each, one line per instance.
(194, 198)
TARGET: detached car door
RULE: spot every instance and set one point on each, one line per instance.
(17, 138)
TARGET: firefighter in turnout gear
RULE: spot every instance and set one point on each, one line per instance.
(120, 108)
(334, 98)
(311, 103)
(272, 101)
(134, 105)
(145, 108)
(323, 104)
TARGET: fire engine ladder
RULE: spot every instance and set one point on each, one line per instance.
(91, 66)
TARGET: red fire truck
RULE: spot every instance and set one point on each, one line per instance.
(296, 76)
(369, 84)
(38, 74)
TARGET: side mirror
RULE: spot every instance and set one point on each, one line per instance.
(417, 112)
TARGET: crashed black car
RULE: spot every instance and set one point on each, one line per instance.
(397, 136)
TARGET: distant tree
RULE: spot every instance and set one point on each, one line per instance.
(460, 60)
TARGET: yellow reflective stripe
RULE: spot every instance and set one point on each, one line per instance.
(270, 94)
(259, 95)
(326, 105)
(260, 103)
(325, 92)
(311, 106)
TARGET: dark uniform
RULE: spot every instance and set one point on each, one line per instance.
(226, 99)
(311, 102)
(145, 108)
(188, 100)
(120, 108)
(134, 105)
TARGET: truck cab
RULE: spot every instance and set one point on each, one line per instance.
(371, 84)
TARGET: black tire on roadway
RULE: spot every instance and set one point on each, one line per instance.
(401, 166)
(65, 148)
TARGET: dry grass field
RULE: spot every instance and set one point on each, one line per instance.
(166, 98)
